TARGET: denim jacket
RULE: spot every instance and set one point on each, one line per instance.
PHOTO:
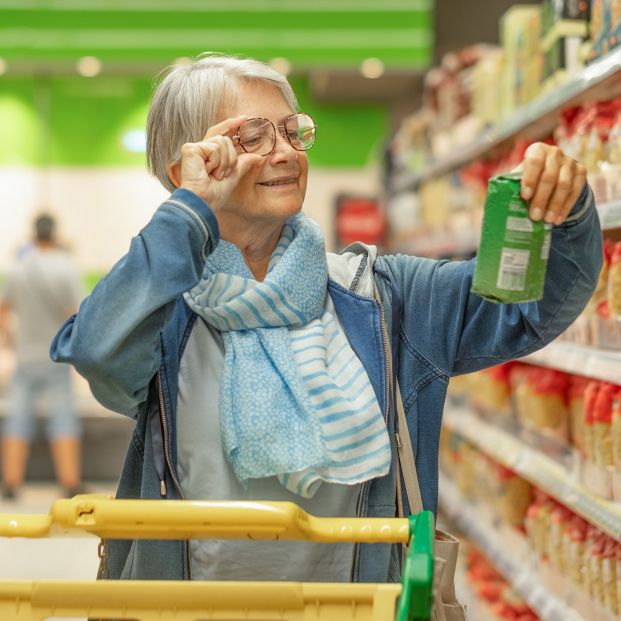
(129, 336)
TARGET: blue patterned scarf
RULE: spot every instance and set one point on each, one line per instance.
(295, 401)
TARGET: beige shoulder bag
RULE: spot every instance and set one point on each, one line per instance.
(446, 546)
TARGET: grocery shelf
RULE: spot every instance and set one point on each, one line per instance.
(592, 362)
(535, 467)
(598, 81)
(516, 570)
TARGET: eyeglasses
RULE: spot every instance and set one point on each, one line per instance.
(258, 136)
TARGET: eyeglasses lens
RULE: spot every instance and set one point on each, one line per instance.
(301, 131)
(257, 136)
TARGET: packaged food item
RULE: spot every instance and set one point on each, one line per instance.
(558, 522)
(520, 26)
(577, 386)
(495, 395)
(602, 287)
(575, 550)
(596, 541)
(602, 421)
(590, 395)
(549, 414)
(609, 575)
(518, 374)
(513, 253)
(618, 573)
(614, 36)
(616, 431)
(515, 496)
(601, 24)
(614, 283)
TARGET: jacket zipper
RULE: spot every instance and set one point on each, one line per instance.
(388, 367)
(168, 460)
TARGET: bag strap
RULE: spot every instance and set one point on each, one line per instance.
(407, 463)
(405, 453)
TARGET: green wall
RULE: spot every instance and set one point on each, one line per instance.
(77, 121)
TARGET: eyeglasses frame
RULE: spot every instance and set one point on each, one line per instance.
(282, 127)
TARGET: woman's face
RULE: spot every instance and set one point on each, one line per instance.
(254, 198)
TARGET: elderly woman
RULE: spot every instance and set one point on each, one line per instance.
(255, 365)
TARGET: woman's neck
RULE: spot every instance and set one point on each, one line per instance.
(256, 248)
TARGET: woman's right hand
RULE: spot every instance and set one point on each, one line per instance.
(212, 167)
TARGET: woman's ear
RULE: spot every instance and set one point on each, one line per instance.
(174, 172)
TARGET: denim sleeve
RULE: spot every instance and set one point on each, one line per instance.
(114, 339)
(460, 332)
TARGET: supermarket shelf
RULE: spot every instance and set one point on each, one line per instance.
(600, 80)
(520, 574)
(536, 467)
(599, 364)
(610, 215)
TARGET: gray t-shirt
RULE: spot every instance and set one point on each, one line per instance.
(42, 288)
(205, 474)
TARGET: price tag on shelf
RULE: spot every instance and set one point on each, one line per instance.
(610, 215)
(604, 367)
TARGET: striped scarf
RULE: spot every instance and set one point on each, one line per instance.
(295, 401)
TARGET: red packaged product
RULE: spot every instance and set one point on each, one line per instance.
(590, 395)
(548, 408)
(614, 283)
(577, 386)
(602, 424)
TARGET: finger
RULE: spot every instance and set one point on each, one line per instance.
(562, 190)
(579, 180)
(228, 127)
(539, 204)
(532, 167)
(247, 162)
(232, 157)
(223, 151)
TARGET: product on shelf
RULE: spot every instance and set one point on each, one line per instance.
(549, 414)
(490, 587)
(577, 386)
(490, 389)
(520, 26)
(614, 282)
(514, 496)
(602, 422)
(601, 26)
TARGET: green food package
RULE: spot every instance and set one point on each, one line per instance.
(513, 253)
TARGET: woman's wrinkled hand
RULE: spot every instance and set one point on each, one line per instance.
(551, 182)
(212, 167)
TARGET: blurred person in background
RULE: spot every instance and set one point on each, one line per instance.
(41, 290)
(256, 365)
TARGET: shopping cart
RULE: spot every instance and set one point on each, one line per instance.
(24, 600)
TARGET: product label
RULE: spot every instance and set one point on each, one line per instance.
(513, 268)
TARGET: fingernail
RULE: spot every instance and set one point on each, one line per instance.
(550, 217)
(559, 221)
(535, 213)
(227, 172)
(527, 193)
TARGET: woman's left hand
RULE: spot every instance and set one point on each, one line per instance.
(551, 182)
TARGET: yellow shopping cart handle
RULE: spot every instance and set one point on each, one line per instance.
(190, 519)
(194, 519)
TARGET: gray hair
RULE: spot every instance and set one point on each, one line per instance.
(191, 97)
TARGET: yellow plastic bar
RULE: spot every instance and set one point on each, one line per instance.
(189, 519)
(193, 601)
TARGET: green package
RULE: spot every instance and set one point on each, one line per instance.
(513, 253)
